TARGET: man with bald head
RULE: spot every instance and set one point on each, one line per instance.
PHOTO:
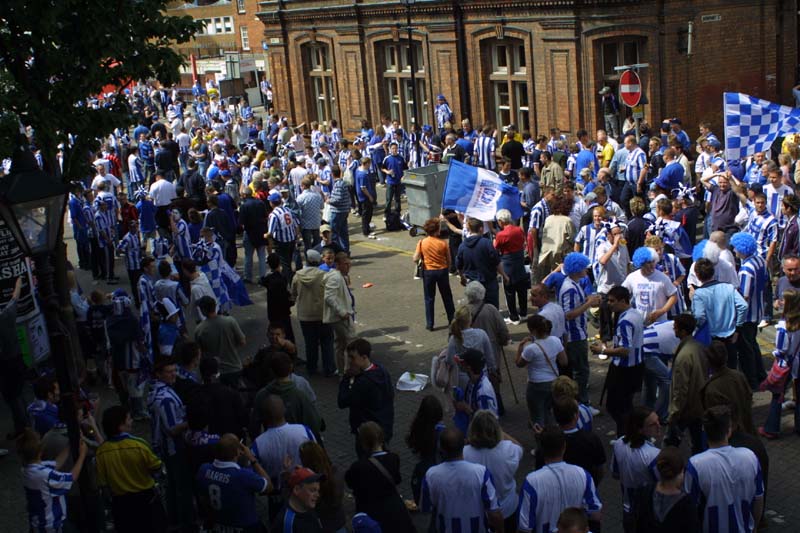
(280, 439)
(229, 489)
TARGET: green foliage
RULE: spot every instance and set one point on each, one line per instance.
(56, 53)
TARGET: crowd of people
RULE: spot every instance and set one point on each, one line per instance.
(670, 252)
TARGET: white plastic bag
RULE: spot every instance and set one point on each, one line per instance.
(411, 381)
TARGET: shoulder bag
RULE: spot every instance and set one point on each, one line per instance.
(547, 359)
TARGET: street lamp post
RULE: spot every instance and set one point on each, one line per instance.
(412, 61)
(32, 205)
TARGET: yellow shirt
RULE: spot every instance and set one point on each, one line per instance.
(608, 154)
(125, 464)
(793, 138)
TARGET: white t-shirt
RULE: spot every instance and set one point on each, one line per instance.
(502, 462)
(162, 192)
(555, 314)
(649, 293)
(184, 140)
(109, 180)
(272, 446)
(539, 371)
(614, 271)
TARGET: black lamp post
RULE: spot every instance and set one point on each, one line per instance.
(32, 204)
(412, 61)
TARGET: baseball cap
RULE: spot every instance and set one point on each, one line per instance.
(313, 256)
(323, 228)
(757, 188)
(274, 197)
(300, 476)
(715, 144)
(470, 357)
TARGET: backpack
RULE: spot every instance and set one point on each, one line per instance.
(393, 221)
(443, 373)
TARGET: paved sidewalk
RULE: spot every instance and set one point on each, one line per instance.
(390, 316)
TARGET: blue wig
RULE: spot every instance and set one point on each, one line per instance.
(697, 253)
(744, 243)
(644, 255)
(575, 262)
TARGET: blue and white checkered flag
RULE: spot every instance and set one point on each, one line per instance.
(752, 124)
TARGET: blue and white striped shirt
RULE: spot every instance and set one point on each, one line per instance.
(166, 412)
(539, 212)
(485, 148)
(634, 468)
(634, 164)
(131, 246)
(752, 283)
(764, 228)
(628, 334)
(282, 225)
(460, 493)
(102, 226)
(182, 239)
(659, 340)
(571, 296)
(45, 491)
(551, 489)
(775, 200)
(481, 395)
(727, 480)
(587, 237)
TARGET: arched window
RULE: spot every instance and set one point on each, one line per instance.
(396, 97)
(506, 68)
(318, 66)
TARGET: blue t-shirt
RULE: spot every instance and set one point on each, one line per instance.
(396, 165)
(147, 216)
(586, 159)
(230, 490)
(363, 180)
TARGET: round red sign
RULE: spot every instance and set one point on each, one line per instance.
(630, 88)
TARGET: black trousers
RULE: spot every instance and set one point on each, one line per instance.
(366, 207)
(138, 511)
(622, 382)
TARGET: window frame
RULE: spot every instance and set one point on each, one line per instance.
(244, 35)
(318, 67)
(395, 79)
(506, 64)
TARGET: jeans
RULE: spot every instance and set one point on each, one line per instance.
(339, 231)
(730, 347)
(657, 379)
(539, 397)
(517, 292)
(492, 292)
(578, 357)
(628, 192)
(750, 354)
(773, 423)
(610, 122)
(318, 337)
(248, 258)
(392, 193)
(311, 238)
(430, 280)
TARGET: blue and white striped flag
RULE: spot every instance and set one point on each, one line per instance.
(752, 124)
(479, 193)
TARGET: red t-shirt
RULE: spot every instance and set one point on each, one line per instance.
(509, 240)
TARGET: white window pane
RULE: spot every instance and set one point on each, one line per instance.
(245, 38)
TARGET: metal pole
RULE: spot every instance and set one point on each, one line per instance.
(65, 367)
(413, 65)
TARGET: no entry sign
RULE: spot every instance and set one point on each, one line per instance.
(630, 88)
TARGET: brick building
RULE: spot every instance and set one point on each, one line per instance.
(535, 63)
(231, 32)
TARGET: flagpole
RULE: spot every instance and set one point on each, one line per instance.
(725, 122)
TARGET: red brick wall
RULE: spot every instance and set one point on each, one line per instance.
(738, 53)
